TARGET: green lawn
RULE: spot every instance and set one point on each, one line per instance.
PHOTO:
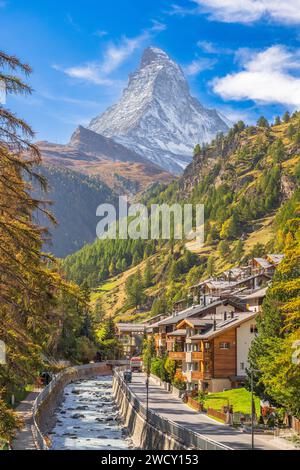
(239, 398)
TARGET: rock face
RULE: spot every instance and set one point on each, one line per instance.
(119, 167)
(94, 144)
(157, 117)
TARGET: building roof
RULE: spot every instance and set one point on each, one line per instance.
(195, 322)
(263, 262)
(233, 272)
(132, 327)
(220, 284)
(276, 258)
(149, 321)
(181, 332)
(260, 293)
(226, 325)
(198, 309)
(173, 319)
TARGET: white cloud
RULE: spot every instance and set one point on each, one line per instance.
(233, 115)
(66, 99)
(89, 72)
(72, 22)
(157, 26)
(198, 65)
(100, 33)
(115, 54)
(270, 76)
(248, 11)
(180, 10)
(210, 48)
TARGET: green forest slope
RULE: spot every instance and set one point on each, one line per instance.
(243, 179)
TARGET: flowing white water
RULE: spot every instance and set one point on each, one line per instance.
(88, 418)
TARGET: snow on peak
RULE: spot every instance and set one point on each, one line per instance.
(156, 115)
(153, 54)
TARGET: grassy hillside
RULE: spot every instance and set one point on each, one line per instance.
(248, 183)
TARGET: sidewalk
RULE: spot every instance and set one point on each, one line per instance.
(170, 407)
(24, 439)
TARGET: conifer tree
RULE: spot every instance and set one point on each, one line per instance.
(148, 275)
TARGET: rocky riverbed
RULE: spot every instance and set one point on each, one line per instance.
(88, 418)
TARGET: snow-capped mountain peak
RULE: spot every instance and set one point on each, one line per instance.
(157, 117)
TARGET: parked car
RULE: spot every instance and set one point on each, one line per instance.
(136, 364)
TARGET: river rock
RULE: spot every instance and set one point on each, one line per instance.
(77, 416)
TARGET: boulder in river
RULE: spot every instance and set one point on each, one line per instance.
(77, 416)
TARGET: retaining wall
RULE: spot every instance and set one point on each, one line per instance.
(151, 431)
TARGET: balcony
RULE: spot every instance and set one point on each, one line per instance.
(197, 375)
(177, 356)
(197, 356)
(194, 356)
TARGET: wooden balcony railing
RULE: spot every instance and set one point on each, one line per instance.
(197, 375)
(176, 355)
(197, 356)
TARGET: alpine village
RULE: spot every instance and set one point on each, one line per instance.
(211, 331)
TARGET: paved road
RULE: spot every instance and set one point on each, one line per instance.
(24, 439)
(167, 405)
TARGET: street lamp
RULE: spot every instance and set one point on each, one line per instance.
(252, 407)
(147, 388)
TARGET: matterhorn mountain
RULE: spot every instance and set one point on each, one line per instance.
(157, 117)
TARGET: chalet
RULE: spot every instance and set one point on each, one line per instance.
(262, 266)
(169, 339)
(179, 305)
(254, 300)
(236, 274)
(216, 353)
(214, 289)
(131, 337)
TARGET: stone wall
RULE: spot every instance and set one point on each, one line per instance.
(156, 432)
(142, 434)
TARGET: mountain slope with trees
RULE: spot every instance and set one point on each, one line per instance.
(75, 198)
(242, 179)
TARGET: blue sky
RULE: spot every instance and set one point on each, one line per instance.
(241, 57)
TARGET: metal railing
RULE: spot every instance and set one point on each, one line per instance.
(187, 437)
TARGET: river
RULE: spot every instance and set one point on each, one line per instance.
(87, 418)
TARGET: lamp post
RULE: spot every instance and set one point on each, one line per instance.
(147, 397)
(148, 354)
(147, 388)
(252, 408)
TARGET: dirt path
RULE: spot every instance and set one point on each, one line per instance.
(24, 439)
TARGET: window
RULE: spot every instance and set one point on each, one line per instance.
(207, 345)
(242, 366)
(253, 329)
(224, 345)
